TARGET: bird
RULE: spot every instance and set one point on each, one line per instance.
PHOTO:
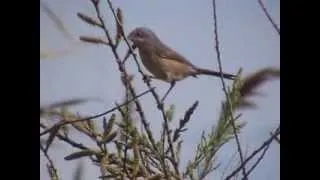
(165, 63)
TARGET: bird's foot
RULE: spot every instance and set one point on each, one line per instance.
(147, 78)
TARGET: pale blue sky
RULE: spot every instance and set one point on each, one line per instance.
(247, 40)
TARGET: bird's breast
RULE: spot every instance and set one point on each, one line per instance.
(165, 69)
(152, 63)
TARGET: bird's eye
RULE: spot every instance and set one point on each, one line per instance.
(139, 34)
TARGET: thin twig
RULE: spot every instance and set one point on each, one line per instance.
(261, 156)
(184, 121)
(224, 87)
(155, 95)
(122, 70)
(229, 164)
(50, 161)
(275, 137)
(259, 160)
(95, 116)
(124, 116)
(56, 20)
(130, 50)
(67, 140)
(269, 16)
(126, 121)
(144, 162)
(266, 143)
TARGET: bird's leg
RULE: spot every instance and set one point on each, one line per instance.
(171, 86)
(147, 78)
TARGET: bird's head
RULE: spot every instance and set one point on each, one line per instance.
(143, 36)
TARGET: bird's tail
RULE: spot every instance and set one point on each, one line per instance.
(215, 73)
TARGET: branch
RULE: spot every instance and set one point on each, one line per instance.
(155, 95)
(130, 50)
(51, 165)
(67, 140)
(269, 17)
(56, 20)
(262, 155)
(266, 143)
(259, 160)
(184, 121)
(275, 137)
(95, 116)
(229, 164)
(123, 70)
(224, 87)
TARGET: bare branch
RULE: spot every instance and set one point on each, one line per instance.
(67, 140)
(130, 50)
(262, 155)
(266, 143)
(123, 71)
(275, 137)
(155, 95)
(269, 17)
(95, 116)
(224, 86)
(56, 20)
(259, 160)
(51, 166)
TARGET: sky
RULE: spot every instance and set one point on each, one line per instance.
(247, 40)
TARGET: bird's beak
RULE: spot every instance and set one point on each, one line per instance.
(130, 37)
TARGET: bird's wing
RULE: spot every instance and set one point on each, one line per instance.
(171, 54)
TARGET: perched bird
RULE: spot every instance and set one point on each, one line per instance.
(163, 62)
